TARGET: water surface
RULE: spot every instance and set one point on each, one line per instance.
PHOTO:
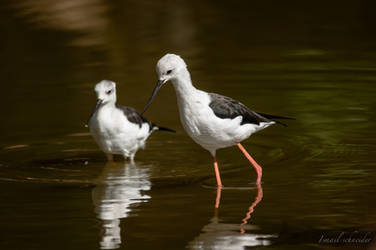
(313, 61)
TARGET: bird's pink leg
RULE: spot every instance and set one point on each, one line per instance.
(253, 162)
(217, 175)
(218, 198)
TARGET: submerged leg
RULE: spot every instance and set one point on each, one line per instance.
(256, 166)
(110, 157)
(218, 198)
(131, 157)
(217, 174)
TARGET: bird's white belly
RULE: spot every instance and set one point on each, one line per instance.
(117, 136)
(207, 134)
(212, 132)
(115, 144)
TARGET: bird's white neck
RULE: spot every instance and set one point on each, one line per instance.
(108, 106)
(183, 86)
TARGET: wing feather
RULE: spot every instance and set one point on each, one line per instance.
(134, 117)
(226, 107)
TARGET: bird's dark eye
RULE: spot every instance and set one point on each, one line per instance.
(169, 71)
(108, 91)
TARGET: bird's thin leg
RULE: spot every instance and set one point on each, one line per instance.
(131, 157)
(217, 174)
(218, 198)
(126, 155)
(253, 162)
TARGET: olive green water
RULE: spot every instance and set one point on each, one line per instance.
(314, 61)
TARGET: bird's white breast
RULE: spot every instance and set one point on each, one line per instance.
(115, 134)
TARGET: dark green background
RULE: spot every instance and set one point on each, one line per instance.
(312, 60)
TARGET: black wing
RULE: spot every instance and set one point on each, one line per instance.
(226, 107)
(134, 117)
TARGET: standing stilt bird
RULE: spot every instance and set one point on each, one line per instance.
(118, 129)
(211, 120)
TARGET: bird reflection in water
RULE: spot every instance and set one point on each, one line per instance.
(217, 235)
(119, 187)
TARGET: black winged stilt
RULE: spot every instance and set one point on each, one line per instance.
(118, 129)
(212, 120)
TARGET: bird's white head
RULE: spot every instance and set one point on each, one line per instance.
(169, 67)
(106, 94)
(106, 91)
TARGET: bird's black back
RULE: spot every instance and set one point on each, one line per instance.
(226, 107)
(134, 117)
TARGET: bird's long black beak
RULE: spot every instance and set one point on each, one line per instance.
(97, 105)
(155, 91)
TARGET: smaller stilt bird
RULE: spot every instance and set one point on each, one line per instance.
(118, 129)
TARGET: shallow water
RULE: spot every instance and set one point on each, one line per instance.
(314, 62)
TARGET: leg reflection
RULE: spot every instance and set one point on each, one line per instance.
(119, 189)
(251, 208)
(222, 234)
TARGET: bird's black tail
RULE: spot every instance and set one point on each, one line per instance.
(276, 117)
